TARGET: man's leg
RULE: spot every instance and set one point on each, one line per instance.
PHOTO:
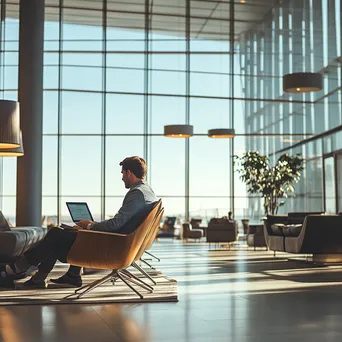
(57, 242)
(71, 277)
(38, 280)
(74, 270)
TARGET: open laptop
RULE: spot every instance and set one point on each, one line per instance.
(79, 211)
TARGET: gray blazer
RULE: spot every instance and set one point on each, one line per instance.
(138, 198)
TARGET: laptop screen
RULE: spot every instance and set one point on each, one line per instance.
(79, 211)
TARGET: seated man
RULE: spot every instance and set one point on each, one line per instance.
(230, 216)
(58, 242)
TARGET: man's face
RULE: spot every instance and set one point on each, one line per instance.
(126, 178)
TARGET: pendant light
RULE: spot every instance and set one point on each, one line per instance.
(9, 124)
(302, 82)
(13, 152)
(178, 131)
(221, 133)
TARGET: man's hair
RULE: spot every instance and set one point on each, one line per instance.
(136, 165)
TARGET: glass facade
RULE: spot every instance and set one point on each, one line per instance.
(116, 72)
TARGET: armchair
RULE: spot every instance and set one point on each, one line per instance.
(255, 236)
(222, 230)
(189, 233)
(168, 228)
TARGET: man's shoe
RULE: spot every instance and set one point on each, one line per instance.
(66, 279)
(31, 284)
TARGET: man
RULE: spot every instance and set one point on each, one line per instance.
(58, 242)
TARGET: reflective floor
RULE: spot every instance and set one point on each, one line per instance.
(237, 295)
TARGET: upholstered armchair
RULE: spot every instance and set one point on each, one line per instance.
(168, 228)
(190, 233)
(255, 236)
(222, 230)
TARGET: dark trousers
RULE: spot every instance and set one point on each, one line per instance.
(55, 246)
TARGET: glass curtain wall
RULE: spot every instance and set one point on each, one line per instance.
(116, 72)
(294, 36)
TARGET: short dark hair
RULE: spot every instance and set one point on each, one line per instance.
(135, 164)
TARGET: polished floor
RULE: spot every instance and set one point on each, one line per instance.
(238, 295)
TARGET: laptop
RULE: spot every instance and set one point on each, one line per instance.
(79, 211)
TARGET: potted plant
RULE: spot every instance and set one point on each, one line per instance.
(271, 182)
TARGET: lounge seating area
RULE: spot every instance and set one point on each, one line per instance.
(306, 233)
(228, 111)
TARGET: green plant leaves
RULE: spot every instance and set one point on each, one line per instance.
(271, 182)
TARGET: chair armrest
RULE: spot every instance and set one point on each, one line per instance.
(100, 232)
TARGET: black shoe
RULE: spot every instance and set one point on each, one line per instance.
(74, 281)
(35, 285)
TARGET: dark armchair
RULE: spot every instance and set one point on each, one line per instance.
(190, 233)
(255, 236)
(168, 228)
(222, 230)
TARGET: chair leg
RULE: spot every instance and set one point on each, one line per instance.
(153, 256)
(96, 284)
(130, 286)
(146, 263)
(137, 282)
(131, 275)
(135, 265)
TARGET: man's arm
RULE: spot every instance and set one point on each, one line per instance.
(133, 203)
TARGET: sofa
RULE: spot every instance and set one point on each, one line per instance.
(319, 235)
(222, 230)
(277, 227)
(14, 241)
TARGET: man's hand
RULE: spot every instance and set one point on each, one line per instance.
(85, 223)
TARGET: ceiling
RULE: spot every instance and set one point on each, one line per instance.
(209, 19)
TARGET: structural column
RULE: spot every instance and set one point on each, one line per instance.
(29, 167)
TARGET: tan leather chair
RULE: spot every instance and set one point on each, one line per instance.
(110, 251)
(150, 243)
(147, 244)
